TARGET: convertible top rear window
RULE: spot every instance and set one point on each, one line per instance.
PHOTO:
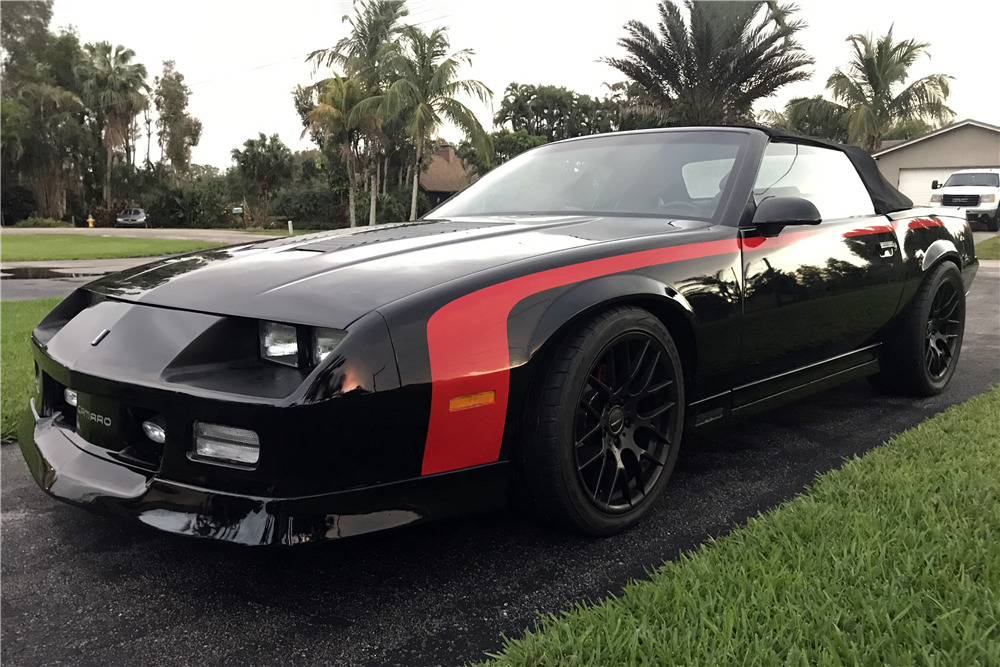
(678, 174)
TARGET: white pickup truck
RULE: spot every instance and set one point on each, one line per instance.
(975, 190)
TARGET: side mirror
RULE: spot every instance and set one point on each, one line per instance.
(935, 185)
(775, 213)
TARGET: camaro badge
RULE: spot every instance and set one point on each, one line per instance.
(101, 336)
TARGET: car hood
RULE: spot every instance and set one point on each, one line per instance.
(333, 278)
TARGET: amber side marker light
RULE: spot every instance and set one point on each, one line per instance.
(472, 401)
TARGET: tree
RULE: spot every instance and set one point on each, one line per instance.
(341, 121)
(555, 112)
(177, 131)
(811, 116)
(24, 32)
(43, 135)
(711, 69)
(45, 142)
(868, 95)
(423, 90)
(116, 89)
(364, 52)
(506, 145)
(264, 165)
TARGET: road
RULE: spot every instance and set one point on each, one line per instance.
(88, 590)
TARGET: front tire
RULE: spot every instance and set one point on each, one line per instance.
(993, 224)
(921, 359)
(604, 434)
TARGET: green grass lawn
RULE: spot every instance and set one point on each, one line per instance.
(988, 249)
(39, 247)
(17, 319)
(893, 559)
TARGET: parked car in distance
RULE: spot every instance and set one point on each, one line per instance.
(132, 217)
(975, 190)
(550, 332)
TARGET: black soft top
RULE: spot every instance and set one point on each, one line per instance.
(884, 196)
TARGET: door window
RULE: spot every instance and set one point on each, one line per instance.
(824, 176)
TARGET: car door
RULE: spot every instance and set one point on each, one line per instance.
(815, 294)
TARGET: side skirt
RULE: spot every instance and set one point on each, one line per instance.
(777, 390)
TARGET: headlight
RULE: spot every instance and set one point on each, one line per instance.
(324, 342)
(936, 199)
(297, 346)
(279, 343)
(986, 199)
(226, 444)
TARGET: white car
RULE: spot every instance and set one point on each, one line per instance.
(975, 190)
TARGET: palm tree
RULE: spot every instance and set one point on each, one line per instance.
(363, 53)
(423, 92)
(115, 89)
(812, 116)
(342, 122)
(711, 69)
(866, 94)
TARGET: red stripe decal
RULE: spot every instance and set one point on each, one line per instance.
(920, 223)
(469, 352)
(865, 231)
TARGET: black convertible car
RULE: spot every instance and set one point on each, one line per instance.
(550, 332)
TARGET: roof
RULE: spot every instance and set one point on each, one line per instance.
(446, 172)
(954, 126)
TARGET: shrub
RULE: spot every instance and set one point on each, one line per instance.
(42, 222)
(17, 203)
(314, 204)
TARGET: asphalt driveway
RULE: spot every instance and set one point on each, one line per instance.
(87, 590)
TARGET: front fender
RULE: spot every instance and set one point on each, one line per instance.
(538, 319)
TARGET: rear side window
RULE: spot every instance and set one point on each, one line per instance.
(824, 176)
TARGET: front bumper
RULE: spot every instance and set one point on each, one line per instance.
(66, 468)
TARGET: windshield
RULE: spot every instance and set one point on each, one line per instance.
(668, 174)
(984, 179)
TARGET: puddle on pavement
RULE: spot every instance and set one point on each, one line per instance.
(32, 273)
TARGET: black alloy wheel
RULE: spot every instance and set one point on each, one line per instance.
(623, 420)
(944, 330)
(920, 358)
(605, 424)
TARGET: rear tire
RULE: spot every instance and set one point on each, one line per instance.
(920, 359)
(603, 437)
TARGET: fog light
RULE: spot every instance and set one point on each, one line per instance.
(154, 431)
(70, 397)
(226, 444)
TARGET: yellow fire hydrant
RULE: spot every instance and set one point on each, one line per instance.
(90, 221)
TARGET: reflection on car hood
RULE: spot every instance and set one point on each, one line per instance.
(333, 278)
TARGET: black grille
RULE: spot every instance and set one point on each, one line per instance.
(960, 200)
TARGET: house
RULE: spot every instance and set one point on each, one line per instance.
(445, 175)
(914, 164)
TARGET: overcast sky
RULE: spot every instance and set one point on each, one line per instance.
(242, 59)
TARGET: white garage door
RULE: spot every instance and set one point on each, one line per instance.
(916, 183)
